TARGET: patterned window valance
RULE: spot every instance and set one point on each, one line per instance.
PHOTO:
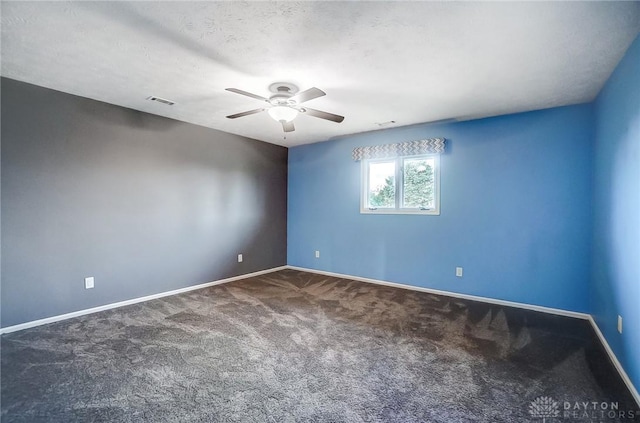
(408, 148)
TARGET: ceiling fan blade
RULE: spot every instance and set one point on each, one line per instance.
(247, 113)
(237, 91)
(322, 115)
(287, 126)
(307, 95)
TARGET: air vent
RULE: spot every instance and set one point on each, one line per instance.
(161, 100)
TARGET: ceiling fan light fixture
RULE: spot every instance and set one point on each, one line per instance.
(284, 105)
(282, 113)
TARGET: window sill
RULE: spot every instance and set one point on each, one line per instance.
(431, 212)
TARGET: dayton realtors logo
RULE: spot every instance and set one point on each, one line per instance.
(544, 408)
(548, 408)
(596, 410)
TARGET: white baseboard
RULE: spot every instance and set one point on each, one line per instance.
(574, 314)
(52, 319)
(614, 360)
(543, 309)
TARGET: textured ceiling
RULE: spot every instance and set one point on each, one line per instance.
(411, 62)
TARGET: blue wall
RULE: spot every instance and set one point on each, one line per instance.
(515, 210)
(616, 234)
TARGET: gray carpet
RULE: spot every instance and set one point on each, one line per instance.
(299, 347)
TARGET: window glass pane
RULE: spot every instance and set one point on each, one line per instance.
(418, 183)
(382, 184)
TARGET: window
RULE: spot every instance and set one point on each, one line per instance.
(401, 185)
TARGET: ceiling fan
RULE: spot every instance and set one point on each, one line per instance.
(284, 104)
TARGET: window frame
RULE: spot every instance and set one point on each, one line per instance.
(399, 186)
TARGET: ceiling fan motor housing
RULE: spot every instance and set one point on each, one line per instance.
(283, 92)
(281, 100)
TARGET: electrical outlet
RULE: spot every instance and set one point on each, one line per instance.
(459, 272)
(89, 282)
(239, 258)
(317, 253)
(619, 324)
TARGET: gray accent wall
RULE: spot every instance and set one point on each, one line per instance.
(143, 203)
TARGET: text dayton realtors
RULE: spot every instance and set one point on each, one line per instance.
(596, 410)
